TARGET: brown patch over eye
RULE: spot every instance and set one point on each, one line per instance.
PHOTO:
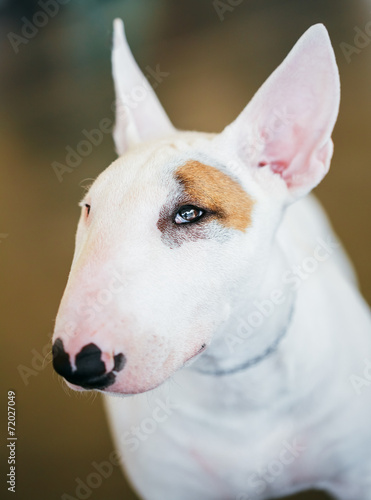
(221, 200)
(211, 189)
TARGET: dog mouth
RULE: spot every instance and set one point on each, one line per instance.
(109, 384)
(202, 348)
(194, 355)
(100, 382)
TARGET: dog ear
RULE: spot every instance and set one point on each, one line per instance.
(139, 114)
(287, 125)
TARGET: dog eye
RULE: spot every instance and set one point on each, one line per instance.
(188, 213)
(87, 209)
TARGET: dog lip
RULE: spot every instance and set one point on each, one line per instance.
(201, 349)
(115, 392)
(101, 382)
(74, 387)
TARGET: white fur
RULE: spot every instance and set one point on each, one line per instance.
(167, 302)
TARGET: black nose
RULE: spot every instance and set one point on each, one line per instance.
(90, 370)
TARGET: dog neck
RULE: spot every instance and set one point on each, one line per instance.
(280, 360)
(256, 325)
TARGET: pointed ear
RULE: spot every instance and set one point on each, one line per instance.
(287, 125)
(139, 114)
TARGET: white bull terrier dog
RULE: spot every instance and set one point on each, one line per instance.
(204, 274)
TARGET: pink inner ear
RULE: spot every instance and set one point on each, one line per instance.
(278, 167)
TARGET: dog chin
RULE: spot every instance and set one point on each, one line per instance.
(119, 390)
(74, 387)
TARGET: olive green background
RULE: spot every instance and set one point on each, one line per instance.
(59, 84)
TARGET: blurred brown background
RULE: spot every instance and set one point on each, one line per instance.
(55, 84)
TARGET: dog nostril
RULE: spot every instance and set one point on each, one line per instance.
(119, 361)
(61, 360)
(88, 362)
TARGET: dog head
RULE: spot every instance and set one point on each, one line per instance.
(168, 232)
